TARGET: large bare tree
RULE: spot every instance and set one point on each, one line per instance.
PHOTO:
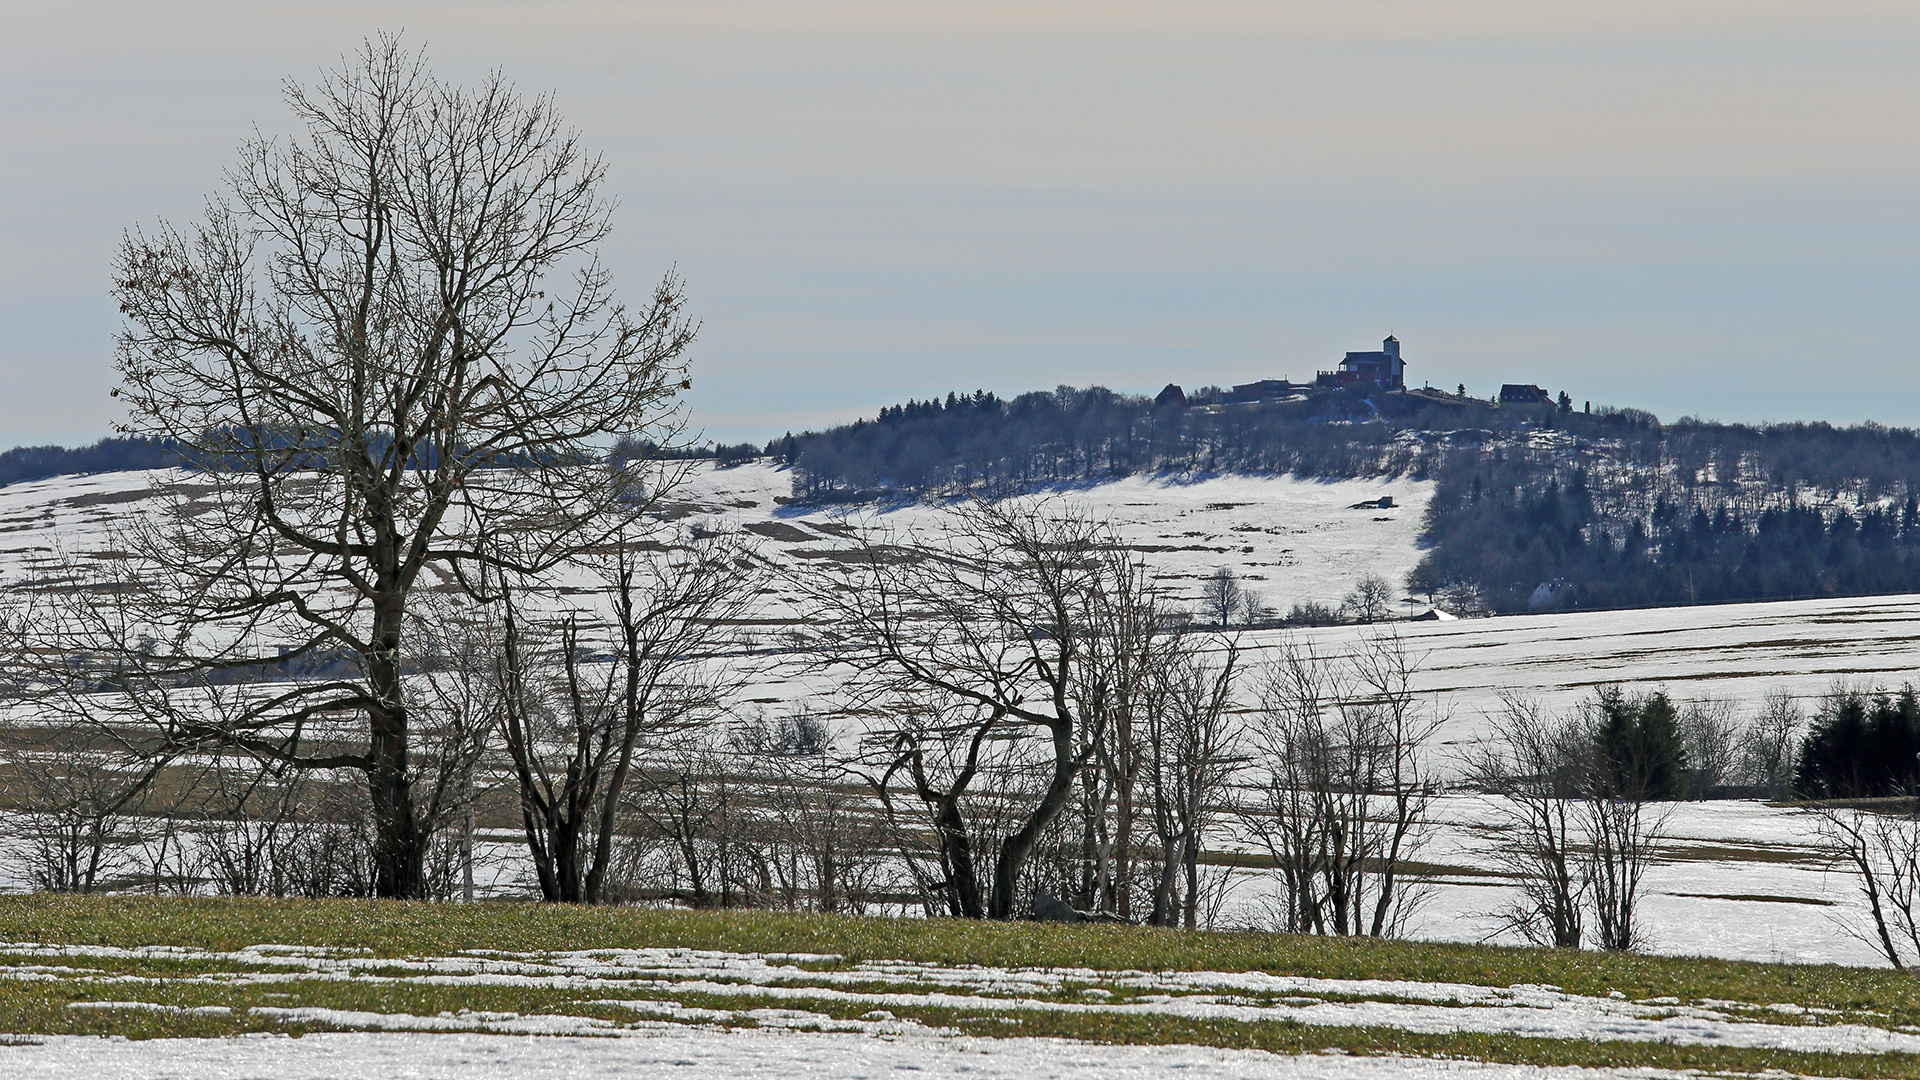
(392, 350)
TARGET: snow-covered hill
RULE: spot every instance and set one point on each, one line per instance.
(1291, 540)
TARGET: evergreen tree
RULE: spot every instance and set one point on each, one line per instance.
(1862, 746)
(1638, 749)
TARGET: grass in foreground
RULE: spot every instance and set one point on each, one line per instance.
(393, 930)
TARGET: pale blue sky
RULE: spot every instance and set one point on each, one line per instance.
(1694, 208)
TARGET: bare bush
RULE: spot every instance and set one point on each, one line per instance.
(983, 624)
(1534, 767)
(1624, 834)
(78, 796)
(1344, 804)
(818, 838)
(1313, 613)
(269, 831)
(1882, 854)
(694, 797)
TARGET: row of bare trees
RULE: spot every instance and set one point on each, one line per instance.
(1051, 724)
(1024, 713)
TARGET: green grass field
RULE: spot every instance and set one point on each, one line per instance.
(198, 987)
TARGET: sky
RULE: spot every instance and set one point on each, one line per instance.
(1697, 208)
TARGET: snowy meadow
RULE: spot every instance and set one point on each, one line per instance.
(1735, 879)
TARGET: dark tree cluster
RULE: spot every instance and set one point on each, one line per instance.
(1511, 526)
(1638, 750)
(1862, 746)
(24, 463)
(997, 444)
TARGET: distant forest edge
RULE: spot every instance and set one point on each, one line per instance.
(24, 463)
(1535, 506)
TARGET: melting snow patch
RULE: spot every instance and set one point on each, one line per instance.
(742, 1055)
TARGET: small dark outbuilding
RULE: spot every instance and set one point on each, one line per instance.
(1523, 394)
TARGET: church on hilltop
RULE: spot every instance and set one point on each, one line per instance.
(1383, 369)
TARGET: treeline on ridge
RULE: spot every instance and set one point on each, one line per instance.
(1533, 506)
(24, 463)
(1691, 513)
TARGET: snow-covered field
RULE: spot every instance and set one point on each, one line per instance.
(1734, 879)
(1291, 540)
(1296, 540)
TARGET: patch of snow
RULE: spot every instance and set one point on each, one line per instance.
(1424, 1007)
(738, 1055)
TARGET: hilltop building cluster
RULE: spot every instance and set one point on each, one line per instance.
(1381, 370)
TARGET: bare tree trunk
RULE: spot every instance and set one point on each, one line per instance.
(1015, 849)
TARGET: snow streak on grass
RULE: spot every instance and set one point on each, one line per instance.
(1282, 995)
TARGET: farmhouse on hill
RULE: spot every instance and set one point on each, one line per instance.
(1383, 369)
(1523, 394)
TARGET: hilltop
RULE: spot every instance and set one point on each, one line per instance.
(1535, 504)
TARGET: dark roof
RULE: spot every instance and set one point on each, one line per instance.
(1522, 394)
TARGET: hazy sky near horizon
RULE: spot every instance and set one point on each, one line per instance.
(1704, 208)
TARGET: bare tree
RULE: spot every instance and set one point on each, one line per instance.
(1580, 824)
(1260, 613)
(1192, 753)
(1712, 733)
(390, 340)
(1629, 767)
(1121, 690)
(1222, 598)
(1345, 800)
(1767, 747)
(575, 721)
(1371, 599)
(1882, 853)
(1534, 766)
(983, 624)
